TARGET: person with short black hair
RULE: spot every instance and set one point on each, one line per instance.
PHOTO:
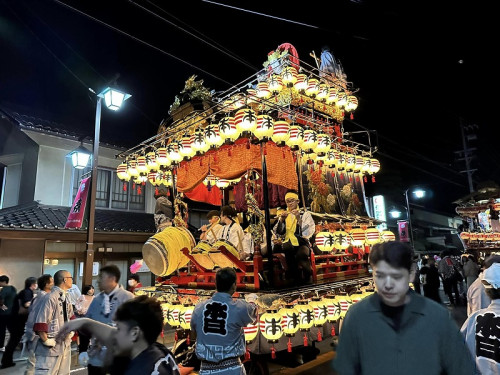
(232, 231)
(139, 322)
(218, 323)
(133, 282)
(210, 231)
(380, 333)
(477, 298)
(7, 298)
(481, 326)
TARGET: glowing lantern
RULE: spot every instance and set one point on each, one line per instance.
(121, 172)
(481, 236)
(185, 147)
(344, 302)
(265, 127)
(227, 129)
(275, 83)
(342, 160)
(162, 157)
(238, 101)
(310, 140)
(358, 163)
(289, 76)
(153, 178)
(374, 166)
(372, 236)
(352, 103)
(301, 83)
(386, 236)
(251, 331)
(333, 95)
(245, 121)
(296, 137)
(263, 91)
(342, 99)
(309, 158)
(324, 144)
(320, 311)
(324, 241)
(212, 136)
(222, 183)
(473, 236)
(252, 96)
(306, 314)
(465, 236)
(132, 168)
(331, 158)
(173, 152)
(185, 314)
(312, 87)
(142, 166)
(210, 180)
(496, 236)
(357, 237)
(350, 162)
(171, 313)
(290, 317)
(151, 161)
(280, 133)
(323, 92)
(166, 178)
(356, 296)
(340, 240)
(227, 105)
(366, 165)
(333, 307)
(270, 326)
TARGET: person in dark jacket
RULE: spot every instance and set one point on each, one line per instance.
(139, 322)
(7, 297)
(430, 278)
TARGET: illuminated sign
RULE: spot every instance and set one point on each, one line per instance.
(379, 211)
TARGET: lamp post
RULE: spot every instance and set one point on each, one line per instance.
(419, 193)
(113, 99)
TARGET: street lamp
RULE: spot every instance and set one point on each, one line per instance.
(80, 157)
(395, 213)
(419, 193)
(113, 99)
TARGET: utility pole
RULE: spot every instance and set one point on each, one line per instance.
(467, 153)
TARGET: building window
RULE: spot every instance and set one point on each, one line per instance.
(110, 191)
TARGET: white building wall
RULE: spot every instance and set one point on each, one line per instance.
(12, 180)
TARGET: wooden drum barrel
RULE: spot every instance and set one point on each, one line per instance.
(162, 252)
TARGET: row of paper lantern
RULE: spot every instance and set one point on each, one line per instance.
(273, 324)
(341, 240)
(300, 82)
(480, 236)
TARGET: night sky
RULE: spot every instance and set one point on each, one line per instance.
(421, 70)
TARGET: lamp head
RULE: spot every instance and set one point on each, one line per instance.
(395, 213)
(113, 98)
(80, 157)
(419, 193)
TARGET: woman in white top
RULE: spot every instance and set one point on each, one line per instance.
(232, 231)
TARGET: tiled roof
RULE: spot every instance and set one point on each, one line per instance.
(38, 216)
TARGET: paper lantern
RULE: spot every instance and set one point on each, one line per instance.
(151, 161)
(185, 314)
(372, 236)
(238, 101)
(330, 159)
(296, 137)
(342, 159)
(270, 326)
(310, 140)
(185, 147)
(356, 296)
(153, 178)
(245, 121)
(171, 313)
(481, 236)
(280, 132)
(212, 136)
(465, 236)
(323, 92)
(301, 83)
(323, 145)
(357, 237)
(162, 157)
(227, 129)
(306, 314)
(386, 236)
(252, 96)
(265, 127)
(320, 308)
(358, 163)
(340, 240)
(344, 302)
(367, 164)
(496, 236)
(132, 168)
(142, 165)
(166, 178)
(251, 331)
(374, 166)
(290, 318)
(342, 99)
(222, 183)
(312, 87)
(275, 83)
(121, 172)
(324, 241)
(289, 76)
(263, 91)
(350, 162)
(173, 152)
(199, 143)
(351, 103)
(210, 180)
(333, 95)
(333, 306)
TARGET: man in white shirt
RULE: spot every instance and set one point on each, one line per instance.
(477, 298)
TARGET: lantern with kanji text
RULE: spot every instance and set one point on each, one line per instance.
(270, 325)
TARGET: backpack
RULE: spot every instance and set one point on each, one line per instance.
(448, 270)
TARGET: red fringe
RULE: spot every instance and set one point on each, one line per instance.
(273, 352)
(319, 336)
(247, 354)
(333, 330)
(305, 339)
(124, 186)
(289, 345)
(373, 179)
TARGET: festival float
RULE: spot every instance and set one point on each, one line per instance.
(280, 129)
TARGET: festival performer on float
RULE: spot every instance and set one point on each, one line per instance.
(210, 231)
(297, 227)
(163, 211)
(232, 231)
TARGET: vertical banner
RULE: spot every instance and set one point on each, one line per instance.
(403, 231)
(77, 212)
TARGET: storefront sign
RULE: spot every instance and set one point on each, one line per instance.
(77, 212)
(379, 211)
(403, 231)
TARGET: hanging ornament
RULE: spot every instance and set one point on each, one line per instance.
(270, 326)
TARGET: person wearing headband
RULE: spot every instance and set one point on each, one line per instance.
(481, 329)
(231, 231)
(210, 231)
(296, 227)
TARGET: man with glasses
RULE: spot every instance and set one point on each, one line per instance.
(54, 310)
(296, 227)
